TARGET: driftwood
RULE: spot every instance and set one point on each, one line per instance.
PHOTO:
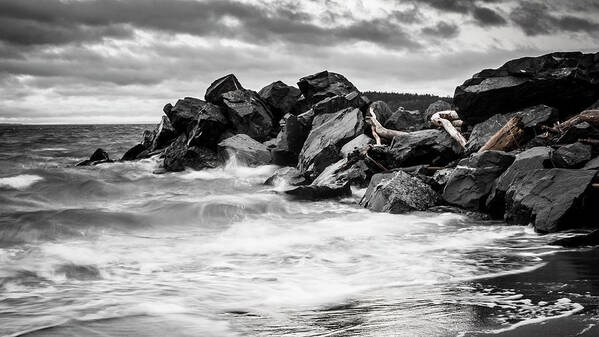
(507, 138)
(379, 131)
(448, 120)
(589, 116)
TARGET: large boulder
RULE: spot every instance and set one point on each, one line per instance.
(289, 141)
(281, 97)
(572, 156)
(165, 133)
(209, 126)
(398, 192)
(178, 156)
(568, 81)
(405, 120)
(245, 150)
(339, 102)
(323, 145)
(133, 152)
(98, 157)
(592, 164)
(286, 176)
(553, 200)
(327, 185)
(531, 159)
(325, 84)
(249, 114)
(221, 86)
(435, 107)
(360, 142)
(472, 180)
(183, 115)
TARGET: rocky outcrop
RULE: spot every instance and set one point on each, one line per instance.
(325, 84)
(398, 192)
(98, 157)
(184, 113)
(553, 200)
(249, 114)
(178, 156)
(133, 152)
(323, 145)
(568, 81)
(208, 127)
(245, 150)
(165, 134)
(472, 180)
(572, 156)
(281, 97)
(289, 141)
(221, 86)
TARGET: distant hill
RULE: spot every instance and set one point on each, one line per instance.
(408, 101)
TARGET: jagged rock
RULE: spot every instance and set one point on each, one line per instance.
(209, 126)
(249, 114)
(405, 120)
(525, 162)
(165, 133)
(381, 110)
(221, 86)
(281, 97)
(327, 185)
(472, 180)
(133, 152)
(582, 130)
(325, 84)
(431, 146)
(357, 143)
(147, 138)
(98, 157)
(289, 141)
(323, 145)
(591, 239)
(178, 156)
(441, 177)
(435, 107)
(184, 113)
(593, 164)
(571, 156)
(568, 81)
(245, 150)
(553, 200)
(288, 176)
(398, 192)
(335, 103)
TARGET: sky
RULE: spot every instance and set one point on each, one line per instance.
(121, 61)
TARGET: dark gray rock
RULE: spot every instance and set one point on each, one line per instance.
(98, 157)
(592, 164)
(325, 84)
(289, 141)
(579, 131)
(286, 176)
(327, 185)
(281, 97)
(472, 180)
(553, 200)
(357, 143)
(221, 86)
(590, 239)
(165, 134)
(133, 152)
(183, 115)
(398, 192)
(249, 114)
(178, 156)
(405, 120)
(525, 162)
(382, 111)
(568, 81)
(435, 107)
(147, 138)
(335, 103)
(572, 155)
(208, 127)
(441, 177)
(323, 145)
(245, 150)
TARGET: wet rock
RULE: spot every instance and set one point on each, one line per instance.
(593, 164)
(245, 150)
(325, 84)
(133, 152)
(289, 141)
(398, 192)
(571, 156)
(221, 86)
(249, 114)
(281, 97)
(209, 126)
(441, 177)
(327, 185)
(381, 110)
(435, 107)
(525, 162)
(357, 143)
(553, 200)
(472, 180)
(335, 103)
(287, 176)
(183, 115)
(79, 272)
(147, 138)
(98, 157)
(591, 239)
(178, 156)
(405, 120)
(165, 134)
(323, 145)
(568, 81)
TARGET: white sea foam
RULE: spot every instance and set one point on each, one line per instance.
(20, 182)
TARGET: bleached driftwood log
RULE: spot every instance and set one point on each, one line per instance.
(508, 138)
(448, 120)
(379, 130)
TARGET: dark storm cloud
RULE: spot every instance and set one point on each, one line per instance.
(442, 29)
(536, 18)
(488, 17)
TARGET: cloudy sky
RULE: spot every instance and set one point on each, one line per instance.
(100, 61)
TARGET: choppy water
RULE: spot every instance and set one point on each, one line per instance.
(115, 250)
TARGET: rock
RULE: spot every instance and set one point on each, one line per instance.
(359, 142)
(398, 192)
(593, 164)
(472, 180)
(335, 103)
(441, 177)
(405, 120)
(327, 185)
(381, 110)
(581, 130)
(571, 156)
(98, 157)
(591, 239)
(221, 86)
(133, 152)
(249, 114)
(281, 97)
(183, 115)
(568, 81)
(431, 146)
(529, 160)
(165, 134)
(289, 141)
(325, 84)
(435, 107)
(147, 138)
(245, 150)
(553, 200)
(532, 119)
(323, 145)
(209, 126)
(178, 156)
(287, 176)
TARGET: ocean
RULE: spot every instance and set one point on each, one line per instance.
(116, 250)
